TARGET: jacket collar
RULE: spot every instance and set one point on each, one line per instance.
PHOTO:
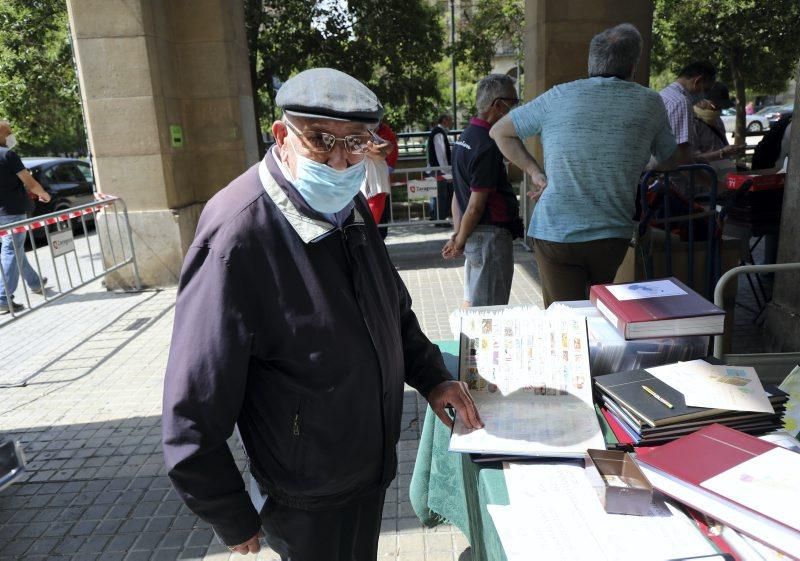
(308, 224)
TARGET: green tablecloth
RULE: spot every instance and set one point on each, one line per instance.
(448, 487)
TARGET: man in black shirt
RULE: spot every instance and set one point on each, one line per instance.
(485, 208)
(15, 182)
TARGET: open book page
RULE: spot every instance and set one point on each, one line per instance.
(528, 372)
(522, 349)
(555, 512)
(530, 425)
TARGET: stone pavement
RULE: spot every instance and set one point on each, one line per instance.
(80, 387)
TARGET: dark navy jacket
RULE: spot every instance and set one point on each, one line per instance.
(300, 334)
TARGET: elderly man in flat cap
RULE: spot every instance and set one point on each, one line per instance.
(293, 327)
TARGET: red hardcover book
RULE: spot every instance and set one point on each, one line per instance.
(657, 308)
(742, 481)
(622, 435)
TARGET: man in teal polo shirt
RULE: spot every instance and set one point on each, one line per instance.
(598, 135)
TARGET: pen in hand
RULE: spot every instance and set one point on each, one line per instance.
(658, 397)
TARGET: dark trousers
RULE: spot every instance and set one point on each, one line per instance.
(567, 270)
(440, 205)
(348, 533)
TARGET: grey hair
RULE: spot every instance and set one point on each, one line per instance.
(490, 88)
(615, 51)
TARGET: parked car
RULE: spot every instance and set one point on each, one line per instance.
(12, 461)
(68, 180)
(768, 110)
(754, 122)
(782, 112)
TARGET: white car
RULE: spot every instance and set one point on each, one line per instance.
(754, 123)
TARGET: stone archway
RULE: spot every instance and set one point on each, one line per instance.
(169, 109)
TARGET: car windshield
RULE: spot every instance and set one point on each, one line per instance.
(768, 109)
(729, 112)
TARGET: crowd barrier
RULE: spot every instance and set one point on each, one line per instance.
(72, 261)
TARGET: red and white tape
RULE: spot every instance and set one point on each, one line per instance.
(103, 200)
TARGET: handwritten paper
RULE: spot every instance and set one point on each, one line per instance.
(555, 513)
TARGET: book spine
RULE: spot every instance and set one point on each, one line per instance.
(620, 325)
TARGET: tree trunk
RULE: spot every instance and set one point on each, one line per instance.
(741, 101)
(254, 13)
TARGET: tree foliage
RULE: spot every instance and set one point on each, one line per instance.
(754, 43)
(37, 78)
(391, 45)
(485, 27)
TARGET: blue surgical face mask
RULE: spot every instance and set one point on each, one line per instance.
(325, 189)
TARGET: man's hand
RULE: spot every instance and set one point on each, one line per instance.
(451, 249)
(250, 546)
(538, 184)
(378, 150)
(43, 195)
(456, 395)
(733, 151)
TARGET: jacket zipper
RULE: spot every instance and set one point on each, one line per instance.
(296, 423)
(371, 337)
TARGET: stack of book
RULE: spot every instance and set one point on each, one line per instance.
(610, 352)
(643, 410)
(657, 308)
(746, 486)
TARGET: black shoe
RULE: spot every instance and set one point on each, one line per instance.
(6, 308)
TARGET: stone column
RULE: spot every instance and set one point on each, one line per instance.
(169, 109)
(557, 36)
(783, 313)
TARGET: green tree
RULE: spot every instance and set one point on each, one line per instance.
(485, 27)
(40, 94)
(391, 45)
(754, 43)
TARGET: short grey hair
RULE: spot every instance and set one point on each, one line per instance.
(615, 51)
(490, 88)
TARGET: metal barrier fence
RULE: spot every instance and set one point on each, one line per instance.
(412, 144)
(419, 197)
(94, 255)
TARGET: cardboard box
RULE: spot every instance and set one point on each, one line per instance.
(761, 181)
(620, 485)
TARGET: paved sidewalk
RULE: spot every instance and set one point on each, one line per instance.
(80, 386)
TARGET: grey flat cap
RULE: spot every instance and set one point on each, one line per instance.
(329, 94)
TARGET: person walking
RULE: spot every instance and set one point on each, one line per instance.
(15, 184)
(293, 327)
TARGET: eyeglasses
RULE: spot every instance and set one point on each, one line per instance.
(317, 141)
(510, 101)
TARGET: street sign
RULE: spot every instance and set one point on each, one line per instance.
(421, 188)
(62, 242)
